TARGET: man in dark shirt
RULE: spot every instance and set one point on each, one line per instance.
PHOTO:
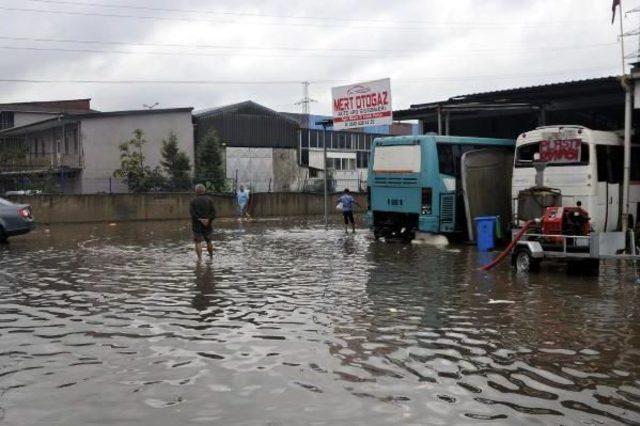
(202, 214)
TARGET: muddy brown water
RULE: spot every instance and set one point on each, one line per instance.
(289, 324)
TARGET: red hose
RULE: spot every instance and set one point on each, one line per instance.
(506, 251)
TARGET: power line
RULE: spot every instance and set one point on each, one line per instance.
(222, 54)
(125, 52)
(447, 26)
(297, 82)
(284, 55)
(280, 16)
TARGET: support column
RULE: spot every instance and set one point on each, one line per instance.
(446, 123)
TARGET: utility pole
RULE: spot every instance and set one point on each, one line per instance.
(628, 83)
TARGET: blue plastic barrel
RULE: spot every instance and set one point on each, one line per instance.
(485, 232)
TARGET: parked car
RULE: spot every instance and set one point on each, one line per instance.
(15, 219)
(23, 192)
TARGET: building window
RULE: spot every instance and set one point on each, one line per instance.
(304, 157)
(6, 120)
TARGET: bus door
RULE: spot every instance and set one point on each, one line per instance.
(610, 170)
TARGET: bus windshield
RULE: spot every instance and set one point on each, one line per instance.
(525, 155)
(397, 159)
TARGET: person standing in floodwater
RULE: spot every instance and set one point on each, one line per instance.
(202, 213)
(347, 202)
(242, 199)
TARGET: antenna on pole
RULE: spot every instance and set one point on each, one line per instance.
(305, 102)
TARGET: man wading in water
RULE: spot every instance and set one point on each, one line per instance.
(346, 203)
(202, 214)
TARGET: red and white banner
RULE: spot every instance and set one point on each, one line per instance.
(362, 104)
(561, 150)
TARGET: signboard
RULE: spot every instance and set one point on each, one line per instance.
(362, 104)
(561, 150)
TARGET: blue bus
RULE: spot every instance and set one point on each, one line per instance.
(414, 183)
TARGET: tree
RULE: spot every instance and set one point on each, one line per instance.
(209, 163)
(138, 176)
(175, 163)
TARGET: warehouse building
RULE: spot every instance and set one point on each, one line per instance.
(260, 145)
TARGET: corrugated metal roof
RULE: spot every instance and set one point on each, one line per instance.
(609, 81)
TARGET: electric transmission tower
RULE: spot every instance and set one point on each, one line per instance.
(305, 102)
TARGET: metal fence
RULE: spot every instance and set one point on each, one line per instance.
(73, 184)
(316, 185)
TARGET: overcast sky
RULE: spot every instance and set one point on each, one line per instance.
(431, 49)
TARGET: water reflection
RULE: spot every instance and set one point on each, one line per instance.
(122, 324)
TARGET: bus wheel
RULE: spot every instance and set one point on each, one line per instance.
(378, 232)
(407, 236)
(523, 261)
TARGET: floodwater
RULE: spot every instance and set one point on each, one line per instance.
(289, 324)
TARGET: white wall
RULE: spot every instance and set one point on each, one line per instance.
(254, 166)
(101, 137)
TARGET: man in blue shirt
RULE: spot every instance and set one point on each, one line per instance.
(347, 201)
(242, 198)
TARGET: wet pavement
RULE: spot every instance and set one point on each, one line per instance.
(289, 324)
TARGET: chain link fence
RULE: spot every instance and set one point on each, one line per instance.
(71, 184)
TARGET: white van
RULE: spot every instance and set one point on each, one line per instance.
(589, 170)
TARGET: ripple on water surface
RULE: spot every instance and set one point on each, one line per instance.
(292, 324)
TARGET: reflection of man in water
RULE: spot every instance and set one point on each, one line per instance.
(242, 198)
(202, 214)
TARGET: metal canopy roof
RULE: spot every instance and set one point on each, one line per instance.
(522, 98)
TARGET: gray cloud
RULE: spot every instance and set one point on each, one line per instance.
(431, 49)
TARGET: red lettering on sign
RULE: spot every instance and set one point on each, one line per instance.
(561, 151)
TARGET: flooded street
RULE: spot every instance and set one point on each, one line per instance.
(290, 324)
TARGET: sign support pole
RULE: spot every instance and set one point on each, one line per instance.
(326, 177)
(627, 155)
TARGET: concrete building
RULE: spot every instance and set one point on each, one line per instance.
(79, 151)
(347, 151)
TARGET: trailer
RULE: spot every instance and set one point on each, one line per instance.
(582, 253)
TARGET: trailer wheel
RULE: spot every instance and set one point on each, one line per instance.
(523, 261)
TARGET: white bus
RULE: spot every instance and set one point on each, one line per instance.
(585, 165)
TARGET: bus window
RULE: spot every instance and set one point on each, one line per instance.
(525, 153)
(446, 159)
(397, 159)
(610, 163)
(450, 155)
